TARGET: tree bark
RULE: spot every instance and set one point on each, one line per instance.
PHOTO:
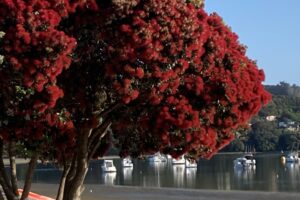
(29, 175)
(1, 196)
(88, 140)
(4, 180)
(74, 185)
(2, 168)
(62, 184)
(7, 191)
(13, 167)
(100, 133)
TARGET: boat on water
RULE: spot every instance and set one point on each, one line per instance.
(178, 161)
(108, 166)
(189, 163)
(293, 155)
(127, 162)
(247, 160)
(157, 158)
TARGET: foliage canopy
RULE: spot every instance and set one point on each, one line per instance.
(163, 75)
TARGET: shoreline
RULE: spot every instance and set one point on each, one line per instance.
(101, 192)
(26, 160)
(115, 192)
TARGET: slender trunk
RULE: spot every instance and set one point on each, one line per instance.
(2, 167)
(29, 175)
(88, 140)
(60, 193)
(1, 196)
(13, 167)
(4, 180)
(74, 186)
(72, 171)
(7, 191)
(95, 142)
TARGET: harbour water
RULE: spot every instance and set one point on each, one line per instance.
(218, 173)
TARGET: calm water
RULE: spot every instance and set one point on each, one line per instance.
(217, 173)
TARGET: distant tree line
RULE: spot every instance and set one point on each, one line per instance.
(264, 135)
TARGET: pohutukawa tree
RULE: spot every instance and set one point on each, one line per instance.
(150, 75)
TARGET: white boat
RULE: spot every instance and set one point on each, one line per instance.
(157, 158)
(292, 157)
(108, 166)
(250, 159)
(190, 163)
(178, 161)
(245, 161)
(127, 162)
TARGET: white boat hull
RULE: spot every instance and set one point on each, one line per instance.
(127, 162)
(108, 166)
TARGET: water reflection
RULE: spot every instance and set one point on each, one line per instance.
(127, 174)
(217, 173)
(293, 167)
(191, 174)
(245, 173)
(155, 171)
(109, 178)
(178, 175)
(293, 172)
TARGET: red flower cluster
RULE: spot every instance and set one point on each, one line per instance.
(36, 52)
(197, 87)
(182, 74)
(33, 45)
(167, 43)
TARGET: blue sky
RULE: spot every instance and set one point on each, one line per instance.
(271, 31)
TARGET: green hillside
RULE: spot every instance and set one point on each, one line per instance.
(276, 127)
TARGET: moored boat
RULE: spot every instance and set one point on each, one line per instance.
(157, 158)
(127, 162)
(189, 163)
(292, 157)
(108, 166)
(178, 161)
(246, 160)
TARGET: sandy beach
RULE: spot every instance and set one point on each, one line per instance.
(100, 192)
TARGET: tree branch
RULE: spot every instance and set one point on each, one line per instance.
(110, 109)
(98, 137)
(97, 131)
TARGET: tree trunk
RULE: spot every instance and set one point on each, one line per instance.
(29, 175)
(1, 196)
(62, 184)
(7, 191)
(74, 184)
(75, 187)
(13, 167)
(88, 140)
(4, 180)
